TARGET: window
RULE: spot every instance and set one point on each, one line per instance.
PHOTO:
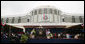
(40, 11)
(13, 20)
(81, 20)
(19, 20)
(7, 20)
(63, 20)
(35, 12)
(73, 19)
(58, 12)
(27, 20)
(50, 11)
(55, 12)
(32, 12)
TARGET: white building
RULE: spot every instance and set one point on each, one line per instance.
(44, 15)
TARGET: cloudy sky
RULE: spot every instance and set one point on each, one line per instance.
(23, 7)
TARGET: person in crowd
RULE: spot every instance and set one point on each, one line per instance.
(64, 35)
(48, 36)
(33, 31)
(18, 37)
(55, 35)
(68, 36)
(44, 34)
(5, 39)
(1, 34)
(4, 36)
(81, 36)
(41, 34)
(13, 40)
(37, 33)
(76, 36)
(33, 34)
(59, 35)
(28, 34)
(51, 35)
(47, 32)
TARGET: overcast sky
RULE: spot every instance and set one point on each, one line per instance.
(23, 7)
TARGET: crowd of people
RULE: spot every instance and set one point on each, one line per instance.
(46, 34)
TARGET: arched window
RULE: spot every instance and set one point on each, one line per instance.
(55, 11)
(40, 11)
(63, 19)
(50, 11)
(7, 20)
(19, 20)
(58, 12)
(27, 20)
(80, 18)
(73, 19)
(13, 19)
(32, 12)
(35, 12)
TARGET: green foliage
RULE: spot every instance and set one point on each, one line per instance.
(24, 38)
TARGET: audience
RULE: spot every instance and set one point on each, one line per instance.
(41, 34)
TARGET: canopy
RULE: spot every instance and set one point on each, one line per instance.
(17, 26)
(44, 24)
(63, 24)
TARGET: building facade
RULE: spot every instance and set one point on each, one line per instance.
(44, 14)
